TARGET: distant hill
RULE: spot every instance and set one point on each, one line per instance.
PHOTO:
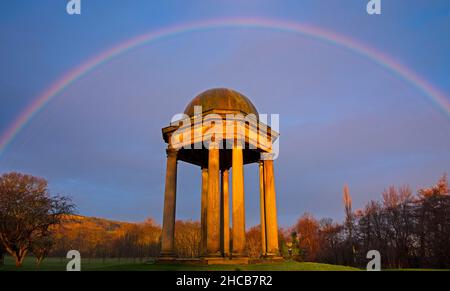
(74, 221)
(99, 237)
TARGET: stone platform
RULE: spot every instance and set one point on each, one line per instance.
(275, 259)
(226, 261)
(204, 261)
(181, 261)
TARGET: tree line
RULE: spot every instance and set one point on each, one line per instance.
(101, 238)
(408, 230)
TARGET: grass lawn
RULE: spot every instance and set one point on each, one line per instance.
(59, 264)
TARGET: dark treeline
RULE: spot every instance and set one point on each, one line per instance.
(408, 230)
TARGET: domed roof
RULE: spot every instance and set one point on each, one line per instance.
(221, 99)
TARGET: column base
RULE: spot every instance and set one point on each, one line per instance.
(166, 260)
(238, 255)
(268, 255)
(178, 261)
(225, 261)
(166, 254)
(217, 254)
(272, 257)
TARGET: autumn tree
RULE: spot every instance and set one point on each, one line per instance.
(187, 239)
(27, 211)
(102, 238)
(253, 239)
(307, 228)
(150, 237)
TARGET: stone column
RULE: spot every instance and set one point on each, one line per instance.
(238, 214)
(168, 230)
(225, 213)
(271, 209)
(263, 209)
(213, 202)
(204, 206)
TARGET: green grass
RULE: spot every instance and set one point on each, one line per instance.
(59, 264)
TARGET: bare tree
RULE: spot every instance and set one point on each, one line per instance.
(433, 224)
(187, 239)
(349, 226)
(330, 237)
(398, 205)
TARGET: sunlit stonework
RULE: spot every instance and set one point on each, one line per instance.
(224, 134)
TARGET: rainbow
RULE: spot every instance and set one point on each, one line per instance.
(436, 97)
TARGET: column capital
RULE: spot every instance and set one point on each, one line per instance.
(212, 144)
(239, 143)
(171, 152)
(267, 156)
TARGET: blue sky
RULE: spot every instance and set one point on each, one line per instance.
(343, 118)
